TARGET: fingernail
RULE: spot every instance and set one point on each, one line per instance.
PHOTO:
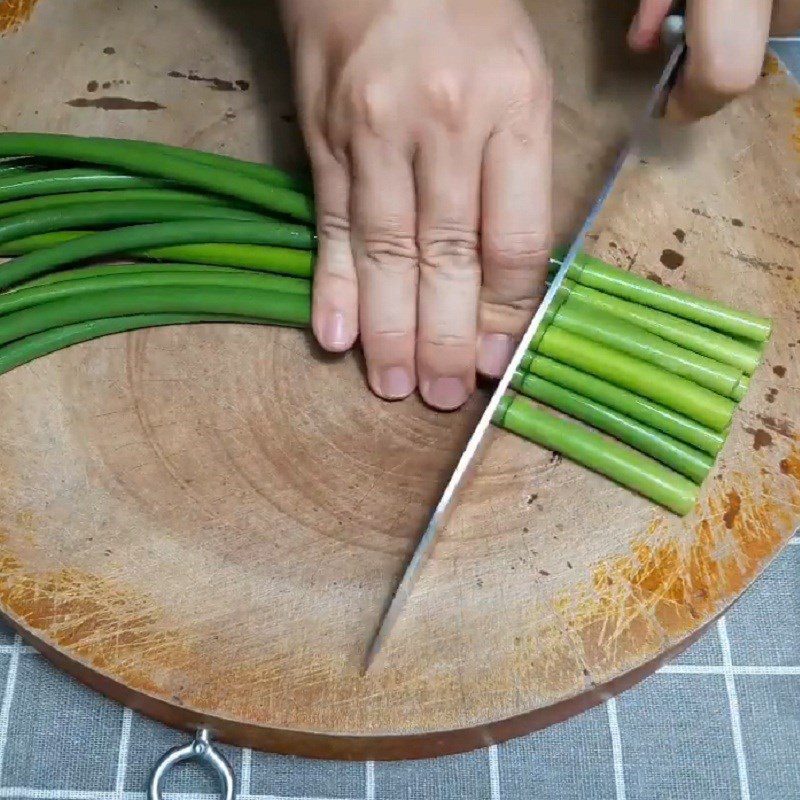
(446, 393)
(494, 353)
(334, 332)
(396, 383)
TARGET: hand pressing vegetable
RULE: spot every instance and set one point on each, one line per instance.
(428, 127)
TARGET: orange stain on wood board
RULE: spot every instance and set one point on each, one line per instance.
(13, 13)
(772, 65)
(118, 632)
(791, 466)
(88, 617)
(637, 605)
(796, 134)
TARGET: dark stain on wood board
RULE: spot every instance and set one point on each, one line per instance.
(217, 84)
(671, 259)
(115, 104)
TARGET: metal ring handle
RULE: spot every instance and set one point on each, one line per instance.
(202, 751)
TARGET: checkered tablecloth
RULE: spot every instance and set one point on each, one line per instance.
(720, 723)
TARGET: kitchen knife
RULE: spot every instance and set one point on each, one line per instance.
(672, 31)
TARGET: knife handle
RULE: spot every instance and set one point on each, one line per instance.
(673, 31)
(673, 36)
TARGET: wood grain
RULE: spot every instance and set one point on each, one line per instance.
(206, 522)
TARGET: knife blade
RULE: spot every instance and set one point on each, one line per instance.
(555, 294)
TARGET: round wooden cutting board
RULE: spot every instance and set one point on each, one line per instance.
(205, 523)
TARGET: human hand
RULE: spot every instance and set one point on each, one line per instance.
(726, 42)
(428, 126)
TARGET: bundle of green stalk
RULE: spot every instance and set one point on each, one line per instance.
(659, 370)
(106, 236)
(193, 237)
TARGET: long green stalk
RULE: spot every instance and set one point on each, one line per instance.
(623, 465)
(685, 333)
(123, 213)
(38, 345)
(101, 270)
(596, 274)
(677, 455)
(631, 405)
(153, 163)
(41, 241)
(284, 260)
(13, 170)
(281, 307)
(48, 202)
(124, 240)
(261, 172)
(18, 162)
(64, 181)
(663, 387)
(590, 322)
(19, 166)
(741, 390)
(186, 280)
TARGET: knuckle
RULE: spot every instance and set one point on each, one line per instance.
(531, 86)
(449, 245)
(444, 92)
(509, 305)
(373, 104)
(507, 315)
(332, 226)
(516, 251)
(529, 101)
(388, 261)
(528, 84)
(391, 336)
(446, 340)
(390, 249)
